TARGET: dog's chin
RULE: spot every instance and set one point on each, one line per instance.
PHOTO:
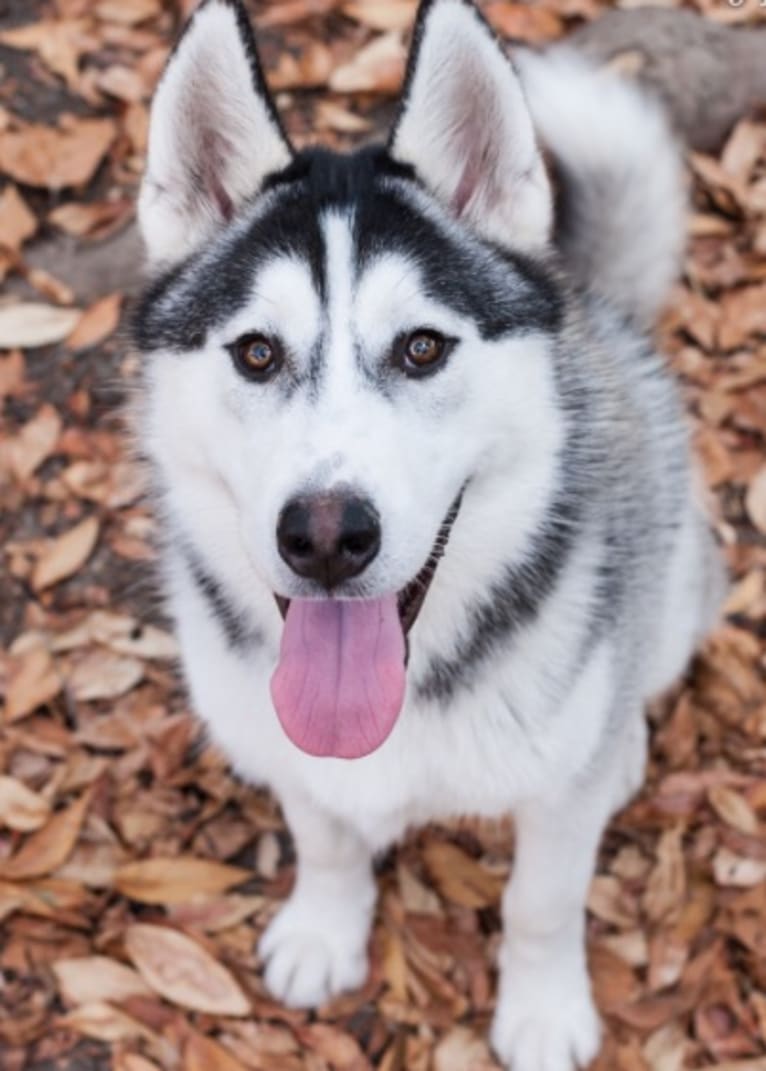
(411, 597)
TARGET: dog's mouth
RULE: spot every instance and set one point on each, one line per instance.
(340, 681)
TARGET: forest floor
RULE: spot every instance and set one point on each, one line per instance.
(113, 807)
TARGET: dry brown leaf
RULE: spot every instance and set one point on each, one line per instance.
(460, 878)
(382, 14)
(460, 1050)
(35, 442)
(533, 24)
(104, 675)
(55, 158)
(101, 1021)
(66, 554)
(58, 42)
(128, 12)
(666, 887)
(88, 219)
(203, 1054)
(34, 681)
(743, 315)
(17, 221)
(91, 979)
(21, 808)
(376, 68)
(96, 324)
(755, 500)
(182, 971)
(176, 880)
(131, 1061)
(733, 808)
(50, 846)
(731, 869)
(27, 325)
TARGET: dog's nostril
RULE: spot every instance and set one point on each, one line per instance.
(357, 542)
(300, 545)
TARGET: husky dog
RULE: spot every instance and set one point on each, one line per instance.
(431, 537)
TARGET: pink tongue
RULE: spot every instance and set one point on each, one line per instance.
(339, 685)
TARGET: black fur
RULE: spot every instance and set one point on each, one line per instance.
(240, 634)
(513, 601)
(503, 292)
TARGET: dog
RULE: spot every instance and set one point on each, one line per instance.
(432, 536)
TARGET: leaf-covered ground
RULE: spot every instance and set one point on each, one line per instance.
(113, 809)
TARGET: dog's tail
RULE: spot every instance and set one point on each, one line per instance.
(619, 177)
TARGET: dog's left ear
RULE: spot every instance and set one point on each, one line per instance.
(465, 127)
(214, 133)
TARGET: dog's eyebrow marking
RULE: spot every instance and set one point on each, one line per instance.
(240, 633)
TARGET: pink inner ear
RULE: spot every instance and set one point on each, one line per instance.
(213, 151)
(466, 187)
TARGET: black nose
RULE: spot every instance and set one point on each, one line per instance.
(328, 537)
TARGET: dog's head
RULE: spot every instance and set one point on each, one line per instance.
(348, 353)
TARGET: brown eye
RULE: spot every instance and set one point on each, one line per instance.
(422, 352)
(257, 356)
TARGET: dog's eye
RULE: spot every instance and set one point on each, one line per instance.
(257, 356)
(422, 352)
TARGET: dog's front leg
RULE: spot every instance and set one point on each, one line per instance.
(316, 946)
(545, 1018)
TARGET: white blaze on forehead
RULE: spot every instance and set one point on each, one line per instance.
(285, 303)
(339, 276)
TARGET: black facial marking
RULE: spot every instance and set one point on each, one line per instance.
(513, 601)
(241, 634)
(503, 292)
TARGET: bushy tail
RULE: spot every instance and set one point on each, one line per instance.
(621, 212)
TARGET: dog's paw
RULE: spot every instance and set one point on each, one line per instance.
(537, 1029)
(311, 956)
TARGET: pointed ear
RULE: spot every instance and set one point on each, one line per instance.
(214, 133)
(465, 127)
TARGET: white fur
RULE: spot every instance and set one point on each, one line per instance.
(627, 237)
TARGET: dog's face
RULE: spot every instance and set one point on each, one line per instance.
(344, 346)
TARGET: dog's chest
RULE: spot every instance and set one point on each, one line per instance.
(492, 746)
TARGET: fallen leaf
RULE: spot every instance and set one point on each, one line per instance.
(382, 14)
(58, 42)
(80, 220)
(27, 325)
(104, 675)
(17, 221)
(755, 500)
(183, 972)
(128, 12)
(203, 1054)
(377, 68)
(92, 979)
(730, 869)
(50, 846)
(21, 808)
(96, 324)
(460, 878)
(176, 880)
(66, 554)
(460, 1050)
(101, 1021)
(35, 442)
(53, 157)
(34, 680)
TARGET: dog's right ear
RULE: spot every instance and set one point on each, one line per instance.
(214, 133)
